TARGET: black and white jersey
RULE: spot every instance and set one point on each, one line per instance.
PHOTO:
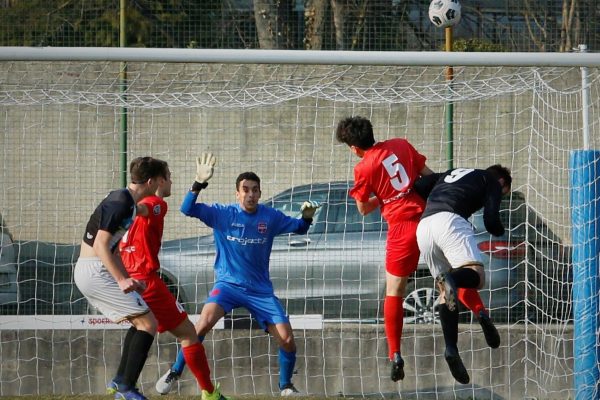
(463, 191)
(114, 214)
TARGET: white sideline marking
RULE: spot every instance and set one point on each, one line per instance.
(92, 322)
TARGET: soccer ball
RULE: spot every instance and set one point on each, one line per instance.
(444, 13)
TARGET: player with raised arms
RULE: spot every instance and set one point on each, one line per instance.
(244, 234)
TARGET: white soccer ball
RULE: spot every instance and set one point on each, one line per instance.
(444, 13)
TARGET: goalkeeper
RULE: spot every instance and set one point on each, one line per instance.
(244, 234)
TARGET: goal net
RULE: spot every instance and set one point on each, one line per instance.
(61, 134)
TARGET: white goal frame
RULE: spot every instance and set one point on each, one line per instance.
(407, 58)
(578, 59)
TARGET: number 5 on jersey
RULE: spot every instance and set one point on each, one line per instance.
(397, 173)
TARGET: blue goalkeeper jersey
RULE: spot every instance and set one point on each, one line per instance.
(243, 240)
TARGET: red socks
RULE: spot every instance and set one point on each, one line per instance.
(195, 359)
(471, 299)
(393, 318)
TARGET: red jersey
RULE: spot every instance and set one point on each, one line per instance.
(141, 244)
(388, 170)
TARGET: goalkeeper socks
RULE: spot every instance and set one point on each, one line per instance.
(393, 319)
(471, 299)
(287, 362)
(138, 352)
(179, 365)
(195, 357)
(125, 353)
(465, 277)
(449, 321)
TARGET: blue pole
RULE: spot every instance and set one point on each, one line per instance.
(585, 218)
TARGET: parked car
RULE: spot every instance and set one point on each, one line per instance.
(45, 279)
(337, 268)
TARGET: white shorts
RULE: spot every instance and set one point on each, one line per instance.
(447, 241)
(102, 291)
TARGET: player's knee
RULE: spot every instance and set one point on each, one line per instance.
(147, 323)
(187, 335)
(288, 344)
(202, 328)
(481, 281)
(481, 272)
(188, 340)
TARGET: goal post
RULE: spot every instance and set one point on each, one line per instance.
(585, 187)
(275, 113)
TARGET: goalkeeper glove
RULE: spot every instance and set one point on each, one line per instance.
(309, 208)
(204, 170)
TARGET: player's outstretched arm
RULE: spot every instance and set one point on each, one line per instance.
(308, 209)
(205, 166)
(300, 226)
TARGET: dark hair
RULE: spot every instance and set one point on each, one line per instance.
(143, 168)
(498, 171)
(249, 176)
(355, 131)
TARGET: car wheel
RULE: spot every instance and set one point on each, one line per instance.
(420, 303)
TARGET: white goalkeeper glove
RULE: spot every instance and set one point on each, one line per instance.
(309, 208)
(205, 165)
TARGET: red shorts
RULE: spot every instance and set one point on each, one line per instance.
(402, 251)
(163, 304)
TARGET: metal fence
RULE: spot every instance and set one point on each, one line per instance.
(388, 25)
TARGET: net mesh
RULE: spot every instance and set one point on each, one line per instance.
(60, 143)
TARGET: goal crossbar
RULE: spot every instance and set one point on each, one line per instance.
(407, 58)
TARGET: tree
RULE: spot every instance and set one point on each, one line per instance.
(340, 15)
(272, 24)
(570, 30)
(314, 20)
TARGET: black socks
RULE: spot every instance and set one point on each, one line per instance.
(136, 357)
(449, 320)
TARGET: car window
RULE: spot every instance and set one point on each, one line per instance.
(343, 217)
(338, 213)
(519, 219)
(290, 203)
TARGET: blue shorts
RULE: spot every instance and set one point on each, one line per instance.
(265, 308)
